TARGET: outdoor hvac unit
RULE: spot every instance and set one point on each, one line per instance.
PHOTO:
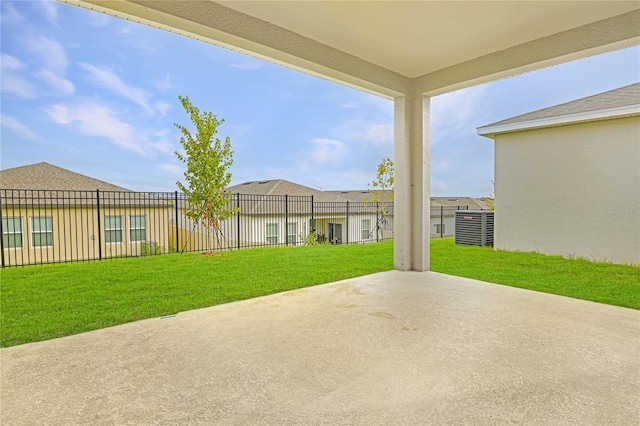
(474, 227)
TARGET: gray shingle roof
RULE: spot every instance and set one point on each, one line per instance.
(617, 98)
(362, 194)
(45, 176)
(284, 187)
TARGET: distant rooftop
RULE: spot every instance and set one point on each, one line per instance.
(283, 187)
(45, 176)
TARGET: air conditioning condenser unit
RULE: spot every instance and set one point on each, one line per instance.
(474, 227)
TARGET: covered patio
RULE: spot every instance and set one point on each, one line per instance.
(391, 348)
(402, 347)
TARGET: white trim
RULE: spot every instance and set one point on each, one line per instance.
(602, 114)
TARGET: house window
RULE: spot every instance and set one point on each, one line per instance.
(137, 228)
(272, 233)
(440, 228)
(12, 232)
(292, 233)
(113, 229)
(42, 231)
(366, 229)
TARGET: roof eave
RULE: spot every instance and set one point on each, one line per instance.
(582, 117)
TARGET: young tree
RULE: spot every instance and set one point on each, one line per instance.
(208, 160)
(383, 182)
(382, 191)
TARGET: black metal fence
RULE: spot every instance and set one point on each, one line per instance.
(50, 226)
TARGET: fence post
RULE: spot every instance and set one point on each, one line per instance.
(377, 221)
(313, 227)
(286, 220)
(441, 221)
(99, 227)
(238, 219)
(347, 239)
(175, 222)
(2, 230)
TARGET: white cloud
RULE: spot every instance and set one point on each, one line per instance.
(50, 52)
(327, 150)
(18, 86)
(380, 134)
(9, 15)
(59, 84)
(163, 146)
(50, 10)
(12, 81)
(8, 62)
(162, 107)
(458, 110)
(94, 119)
(443, 187)
(107, 79)
(18, 127)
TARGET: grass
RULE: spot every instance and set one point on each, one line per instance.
(578, 278)
(49, 301)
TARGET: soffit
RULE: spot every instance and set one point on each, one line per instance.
(417, 38)
(394, 47)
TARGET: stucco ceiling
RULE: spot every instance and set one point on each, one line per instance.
(390, 47)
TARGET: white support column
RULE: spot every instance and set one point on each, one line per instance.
(412, 182)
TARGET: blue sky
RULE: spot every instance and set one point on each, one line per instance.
(99, 95)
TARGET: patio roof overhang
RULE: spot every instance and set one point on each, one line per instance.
(405, 51)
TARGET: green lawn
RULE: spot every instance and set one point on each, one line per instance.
(48, 301)
(597, 281)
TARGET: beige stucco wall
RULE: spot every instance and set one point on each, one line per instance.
(572, 190)
(75, 234)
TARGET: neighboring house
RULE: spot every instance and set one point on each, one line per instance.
(332, 217)
(567, 178)
(282, 212)
(442, 208)
(50, 214)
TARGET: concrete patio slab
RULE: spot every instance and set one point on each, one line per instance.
(390, 348)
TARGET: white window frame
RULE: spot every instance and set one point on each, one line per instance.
(6, 232)
(292, 238)
(444, 228)
(269, 236)
(40, 231)
(106, 230)
(366, 230)
(133, 229)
